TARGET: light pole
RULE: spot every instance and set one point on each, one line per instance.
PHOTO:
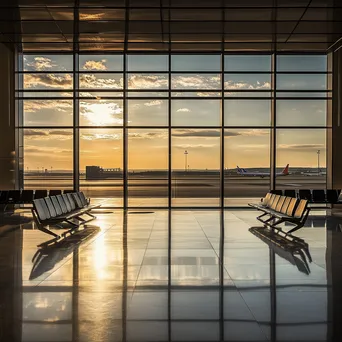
(318, 153)
(186, 159)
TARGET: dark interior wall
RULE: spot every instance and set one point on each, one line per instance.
(7, 119)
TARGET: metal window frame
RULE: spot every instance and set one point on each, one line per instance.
(169, 96)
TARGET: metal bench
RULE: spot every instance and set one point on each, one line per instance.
(283, 209)
(56, 210)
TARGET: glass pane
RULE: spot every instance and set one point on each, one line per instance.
(148, 167)
(101, 62)
(246, 165)
(101, 81)
(43, 94)
(248, 94)
(147, 63)
(101, 113)
(302, 63)
(301, 112)
(147, 94)
(147, 81)
(48, 81)
(195, 63)
(48, 112)
(100, 95)
(101, 165)
(195, 167)
(196, 81)
(303, 94)
(301, 82)
(195, 94)
(249, 82)
(48, 160)
(147, 112)
(305, 152)
(48, 62)
(247, 63)
(195, 112)
(247, 112)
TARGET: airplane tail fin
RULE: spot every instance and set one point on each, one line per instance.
(286, 170)
(241, 171)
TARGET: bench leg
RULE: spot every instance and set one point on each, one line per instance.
(262, 215)
(275, 223)
(294, 229)
(48, 231)
(73, 224)
(91, 215)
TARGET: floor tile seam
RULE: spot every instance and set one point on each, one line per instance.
(207, 238)
(252, 314)
(142, 260)
(71, 256)
(315, 263)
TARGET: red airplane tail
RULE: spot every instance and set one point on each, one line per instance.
(286, 170)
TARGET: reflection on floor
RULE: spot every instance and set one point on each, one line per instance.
(172, 276)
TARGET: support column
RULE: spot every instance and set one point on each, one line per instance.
(8, 157)
(334, 135)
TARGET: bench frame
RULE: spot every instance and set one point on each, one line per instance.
(276, 217)
(73, 218)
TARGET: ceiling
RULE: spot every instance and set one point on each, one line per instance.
(175, 25)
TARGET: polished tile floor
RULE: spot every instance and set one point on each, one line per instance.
(171, 276)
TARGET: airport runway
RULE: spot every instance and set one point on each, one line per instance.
(207, 186)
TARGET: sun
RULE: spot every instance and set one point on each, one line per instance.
(103, 113)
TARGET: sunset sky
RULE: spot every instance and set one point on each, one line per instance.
(195, 120)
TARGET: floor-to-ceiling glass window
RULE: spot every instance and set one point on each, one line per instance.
(147, 108)
(174, 129)
(45, 99)
(195, 137)
(100, 115)
(248, 93)
(302, 104)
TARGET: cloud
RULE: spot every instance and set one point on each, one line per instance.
(148, 135)
(215, 133)
(196, 82)
(194, 146)
(153, 103)
(245, 85)
(58, 81)
(32, 134)
(207, 94)
(185, 110)
(202, 133)
(28, 149)
(100, 136)
(58, 132)
(301, 147)
(139, 81)
(255, 132)
(41, 64)
(33, 106)
(92, 81)
(251, 147)
(95, 65)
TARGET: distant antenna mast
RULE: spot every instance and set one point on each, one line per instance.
(318, 153)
